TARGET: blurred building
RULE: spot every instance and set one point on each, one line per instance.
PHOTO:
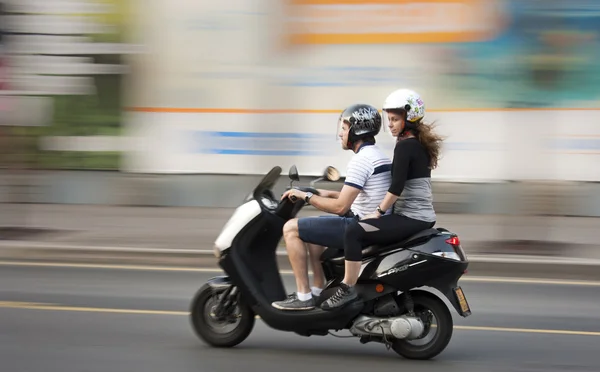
(173, 96)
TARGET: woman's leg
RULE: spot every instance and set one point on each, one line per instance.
(383, 230)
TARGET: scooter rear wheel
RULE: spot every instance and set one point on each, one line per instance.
(428, 307)
(213, 330)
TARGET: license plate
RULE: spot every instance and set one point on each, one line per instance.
(462, 301)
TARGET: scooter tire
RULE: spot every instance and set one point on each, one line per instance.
(445, 327)
(203, 329)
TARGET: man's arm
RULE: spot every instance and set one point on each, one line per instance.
(329, 193)
(359, 171)
(340, 205)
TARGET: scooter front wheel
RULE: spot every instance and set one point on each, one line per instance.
(220, 329)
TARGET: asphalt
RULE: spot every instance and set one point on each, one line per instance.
(67, 319)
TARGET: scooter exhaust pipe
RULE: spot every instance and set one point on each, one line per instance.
(400, 328)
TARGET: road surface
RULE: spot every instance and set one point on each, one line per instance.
(70, 318)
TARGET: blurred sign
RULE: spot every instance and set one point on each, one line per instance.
(392, 21)
(62, 66)
(25, 111)
(42, 41)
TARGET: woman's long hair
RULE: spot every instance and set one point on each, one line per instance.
(425, 134)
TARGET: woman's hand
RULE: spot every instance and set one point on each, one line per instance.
(370, 216)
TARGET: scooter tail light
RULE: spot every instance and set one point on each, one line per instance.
(453, 241)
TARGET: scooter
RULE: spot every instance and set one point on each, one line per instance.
(394, 308)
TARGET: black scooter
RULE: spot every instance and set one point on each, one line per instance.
(394, 310)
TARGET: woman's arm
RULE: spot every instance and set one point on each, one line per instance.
(388, 201)
(400, 166)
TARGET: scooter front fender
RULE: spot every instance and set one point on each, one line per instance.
(219, 282)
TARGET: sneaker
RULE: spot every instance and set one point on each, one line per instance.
(343, 296)
(318, 299)
(293, 303)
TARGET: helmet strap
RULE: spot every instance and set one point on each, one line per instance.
(352, 140)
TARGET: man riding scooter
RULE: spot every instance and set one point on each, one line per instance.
(367, 181)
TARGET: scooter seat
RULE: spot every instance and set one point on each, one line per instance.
(376, 249)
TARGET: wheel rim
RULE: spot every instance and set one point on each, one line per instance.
(431, 330)
(220, 326)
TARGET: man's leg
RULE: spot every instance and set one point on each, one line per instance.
(315, 252)
(320, 231)
(297, 254)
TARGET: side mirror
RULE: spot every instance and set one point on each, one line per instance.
(331, 174)
(294, 173)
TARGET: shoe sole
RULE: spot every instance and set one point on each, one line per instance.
(356, 299)
(292, 308)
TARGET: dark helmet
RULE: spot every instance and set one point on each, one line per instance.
(364, 120)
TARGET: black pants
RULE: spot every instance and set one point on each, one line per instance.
(383, 230)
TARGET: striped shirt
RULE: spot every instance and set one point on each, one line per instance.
(369, 170)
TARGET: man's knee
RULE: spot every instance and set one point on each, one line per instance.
(290, 229)
(290, 233)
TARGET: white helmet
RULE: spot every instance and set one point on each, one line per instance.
(408, 100)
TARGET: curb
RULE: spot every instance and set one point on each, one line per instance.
(538, 267)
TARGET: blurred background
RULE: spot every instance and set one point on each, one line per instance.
(186, 103)
(131, 129)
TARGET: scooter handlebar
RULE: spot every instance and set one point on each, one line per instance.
(303, 189)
